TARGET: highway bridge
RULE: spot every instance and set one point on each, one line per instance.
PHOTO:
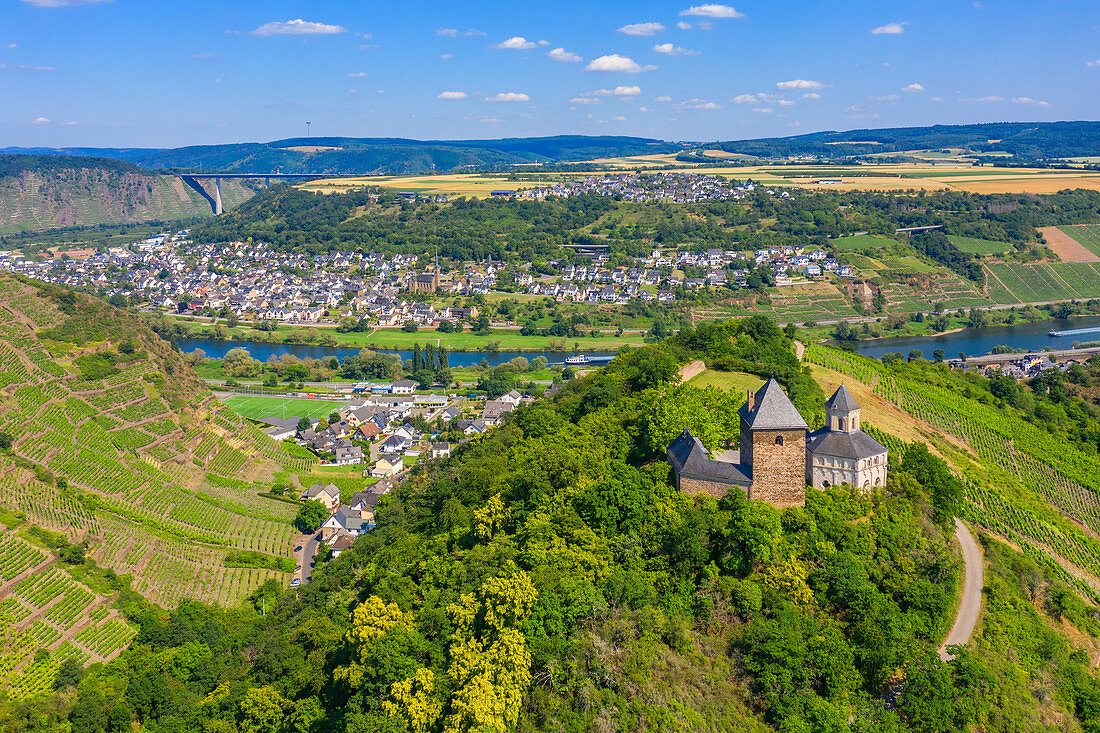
(215, 200)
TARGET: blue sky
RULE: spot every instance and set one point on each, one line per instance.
(139, 73)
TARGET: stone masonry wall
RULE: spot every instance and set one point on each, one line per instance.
(695, 486)
(779, 471)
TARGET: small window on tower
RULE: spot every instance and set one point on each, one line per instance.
(779, 440)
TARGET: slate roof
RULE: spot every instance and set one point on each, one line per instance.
(842, 400)
(857, 445)
(691, 459)
(772, 410)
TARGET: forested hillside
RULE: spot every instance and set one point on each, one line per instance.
(350, 155)
(45, 192)
(122, 482)
(1027, 141)
(548, 577)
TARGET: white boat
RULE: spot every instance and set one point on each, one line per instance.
(577, 360)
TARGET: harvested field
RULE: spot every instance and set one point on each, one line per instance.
(1066, 247)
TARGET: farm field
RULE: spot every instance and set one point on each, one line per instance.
(864, 241)
(979, 246)
(158, 479)
(894, 176)
(1038, 282)
(255, 407)
(1088, 235)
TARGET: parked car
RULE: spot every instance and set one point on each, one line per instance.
(295, 583)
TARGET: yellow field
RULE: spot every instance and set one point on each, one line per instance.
(927, 177)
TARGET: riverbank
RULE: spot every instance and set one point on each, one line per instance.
(399, 339)
(974, 342)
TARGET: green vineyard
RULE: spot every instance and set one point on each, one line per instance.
(1032, 487)
(157, 486)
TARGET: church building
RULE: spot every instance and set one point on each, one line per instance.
(778, 456)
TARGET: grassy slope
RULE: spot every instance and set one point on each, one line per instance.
(159, 477)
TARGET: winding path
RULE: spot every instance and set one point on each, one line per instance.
(971, 604)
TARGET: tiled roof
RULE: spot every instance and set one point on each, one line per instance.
(842, 400)
(772, 410)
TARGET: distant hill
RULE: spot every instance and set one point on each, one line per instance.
(374, 155)
(50, 191)
(1024, 140)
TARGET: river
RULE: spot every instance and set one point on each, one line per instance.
(980, 341)
(457, 359)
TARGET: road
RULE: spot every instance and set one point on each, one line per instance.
(304, 556)
(971, 604)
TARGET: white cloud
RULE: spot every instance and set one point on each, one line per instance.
(584, 100)
(885, 98)
(684, 25)
(913, 88)
(800, 84)
(297, 27)
(711, 10)
(614, 63)
(471, 32)
(890, 29)
(566, 57)
(451, 95)
(620, 118)
(62, 3)
(446, 56)
(744, 99)
(695, 104)
(450, 32)
(12, 45)
(25, 67)
(40, 121)
(1030, 102)
(70, 123)
(863, 116)
(663, 99)
(509, 97)
(671, 50)
(619, 91)
(785, 102)
(811, 95)
(763, 110)
(641, 29)
(206, 55)
(357, 74)
(643, 108)
(519, 43)
(990, 98)
(1090, 64)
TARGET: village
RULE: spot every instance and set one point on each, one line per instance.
(168, 273)
(379, 431)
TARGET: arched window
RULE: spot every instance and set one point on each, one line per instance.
(779, 440)
(825, 484)
(841, 424)
(878, 481)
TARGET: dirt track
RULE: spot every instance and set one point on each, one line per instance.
(1066, 247)
(971, 605)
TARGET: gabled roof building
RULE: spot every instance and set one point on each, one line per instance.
(778, 456)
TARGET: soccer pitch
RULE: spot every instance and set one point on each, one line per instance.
(259, 407)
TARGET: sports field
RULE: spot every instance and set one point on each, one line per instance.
(258, 407)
